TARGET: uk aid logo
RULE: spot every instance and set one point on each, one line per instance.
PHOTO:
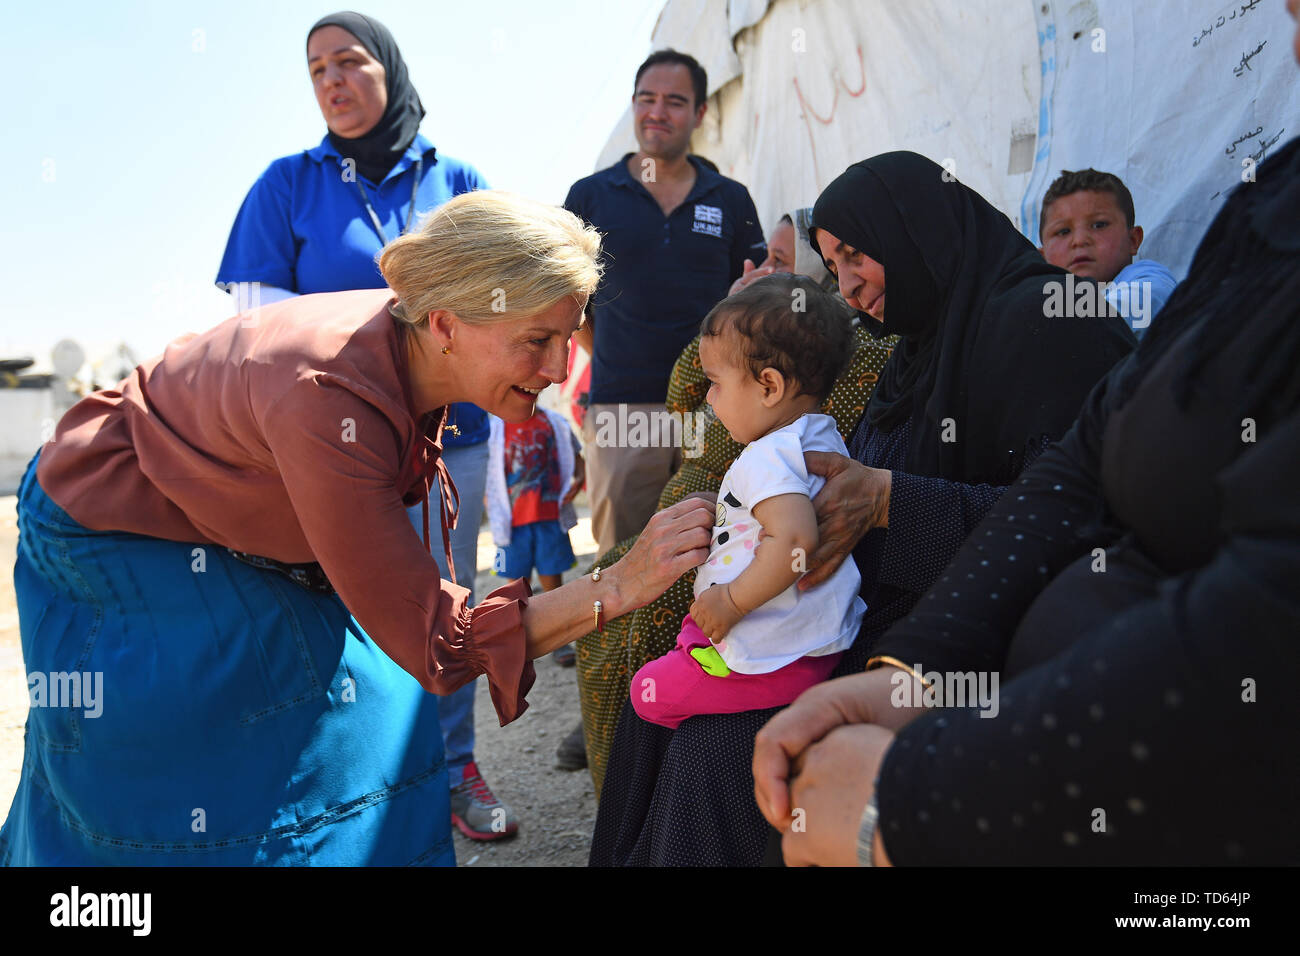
(708, 220)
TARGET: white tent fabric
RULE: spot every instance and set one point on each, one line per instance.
(824, 83)
(1180, 100)
(705, 23)
(744, 13)
(1170, 96)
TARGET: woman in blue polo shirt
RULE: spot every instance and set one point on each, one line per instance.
(313, 222)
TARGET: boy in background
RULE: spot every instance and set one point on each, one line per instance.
(1087, 227)
(535, 469)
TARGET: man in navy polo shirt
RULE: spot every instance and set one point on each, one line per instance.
(676, 234)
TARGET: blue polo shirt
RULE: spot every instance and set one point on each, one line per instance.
(662, 273)
(303, 228)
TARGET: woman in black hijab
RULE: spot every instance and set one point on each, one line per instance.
(981, 380)
(1136, 593)
(314, 222)
(966, 293)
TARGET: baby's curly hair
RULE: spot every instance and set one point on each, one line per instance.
(789, 323)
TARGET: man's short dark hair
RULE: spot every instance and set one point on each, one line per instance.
(1088, 180)
(789, 323)
(699, 78)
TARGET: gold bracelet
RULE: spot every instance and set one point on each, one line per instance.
(876, 662)
(600, 627)
(595, 574)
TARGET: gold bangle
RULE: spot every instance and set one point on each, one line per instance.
(599, 624)
(895, 662)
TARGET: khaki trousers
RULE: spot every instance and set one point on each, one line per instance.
(627, 469)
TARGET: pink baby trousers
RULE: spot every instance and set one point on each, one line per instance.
(671, 688)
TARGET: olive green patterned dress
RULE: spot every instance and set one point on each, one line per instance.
(607, 661)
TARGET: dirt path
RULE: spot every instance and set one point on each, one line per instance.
(556, 809)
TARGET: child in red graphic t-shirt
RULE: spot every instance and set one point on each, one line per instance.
(535, 469)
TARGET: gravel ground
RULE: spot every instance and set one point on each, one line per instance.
(556, 810)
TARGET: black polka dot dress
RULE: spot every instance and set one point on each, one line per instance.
(1136, 593)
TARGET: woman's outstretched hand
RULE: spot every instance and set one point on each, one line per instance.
(854, 500)
(674, 541)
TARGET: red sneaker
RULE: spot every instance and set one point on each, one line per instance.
(476, 811)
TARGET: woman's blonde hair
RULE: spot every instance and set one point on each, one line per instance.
(489, 255)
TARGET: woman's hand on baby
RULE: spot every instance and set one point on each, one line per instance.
(709, 497)
(854, 500)
(715, 612)
(674, 541)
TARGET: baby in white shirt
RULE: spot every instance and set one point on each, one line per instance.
(752, 639)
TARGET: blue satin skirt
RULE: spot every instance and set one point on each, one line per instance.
(188, 709)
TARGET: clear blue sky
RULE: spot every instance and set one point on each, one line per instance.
(142, 124)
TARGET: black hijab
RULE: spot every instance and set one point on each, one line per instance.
(378, 151)
(965, 290)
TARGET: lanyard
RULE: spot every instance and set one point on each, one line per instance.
(383, 238)
(374, 219)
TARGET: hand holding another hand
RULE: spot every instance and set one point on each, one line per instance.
(857, 699)
(834, 781)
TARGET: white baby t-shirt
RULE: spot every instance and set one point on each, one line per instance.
(795, 623)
